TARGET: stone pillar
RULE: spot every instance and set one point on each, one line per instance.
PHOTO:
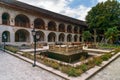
(65, 38)
(57, 37)
(12, 36)
(46, 24)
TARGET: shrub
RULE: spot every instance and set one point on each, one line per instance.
(106, 56)
(11, 48)
(64, 69)
(98, 61)
(90, 64)
(83, 67)
(74, 72)
(55, 65)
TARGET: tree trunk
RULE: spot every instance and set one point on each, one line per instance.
(95, 36)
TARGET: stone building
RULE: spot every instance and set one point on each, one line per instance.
(17, 20)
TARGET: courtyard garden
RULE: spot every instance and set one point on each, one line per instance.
(68, 66)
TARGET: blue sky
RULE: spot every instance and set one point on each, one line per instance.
(73, 8)
(76, 3)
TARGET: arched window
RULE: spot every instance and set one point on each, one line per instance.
(41, 36)
(51, 37)
(22, 21)
(22, 36)
(75, 29)
(69, 38)
(39, 24)
(69, 29)
(62, 28)
(5, 19)
(75, 38)
(61, 37)
(52, 26)
(6, 36)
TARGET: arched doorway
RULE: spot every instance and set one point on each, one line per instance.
(75, 38)
(52, 26)
(41, 36)
(5, 19)
(69, 38)
(39, 24)
(7, 35)
(62, 28)
(22, 36)
(22, 21)
(61, 37)
(51, 37)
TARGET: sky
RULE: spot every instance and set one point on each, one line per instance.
(73, 8)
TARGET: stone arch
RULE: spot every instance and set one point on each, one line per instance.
(39, 23)
(41, 36)
(5, 18)
(62, 37)
(76, 29)
(7, 35)
(61, 27)
(51, 37)
(75, 38)
(69, 38)
(69, 29)
(22, 21)
(22, 35)
(52, 26)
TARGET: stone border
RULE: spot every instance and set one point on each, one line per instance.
(85, 76)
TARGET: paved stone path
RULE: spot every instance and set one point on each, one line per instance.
(12, 68)
(111, 72)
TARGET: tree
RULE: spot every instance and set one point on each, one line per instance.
(112, 34)
(86, 35)
(103, 16)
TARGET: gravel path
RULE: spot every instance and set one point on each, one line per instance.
(12, 68)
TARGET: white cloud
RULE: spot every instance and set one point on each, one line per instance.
(101, 0)
(61, 6)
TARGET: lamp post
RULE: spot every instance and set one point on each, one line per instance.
(4, 39)
(35, 37)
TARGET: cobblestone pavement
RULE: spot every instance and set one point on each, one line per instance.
(12, 68)
(111, 72)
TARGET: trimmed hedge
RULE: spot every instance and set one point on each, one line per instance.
(65, 58)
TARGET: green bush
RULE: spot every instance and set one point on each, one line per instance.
(74, 72)
(106, 56)
(83, 67)
(98, 61)
(11, 48)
